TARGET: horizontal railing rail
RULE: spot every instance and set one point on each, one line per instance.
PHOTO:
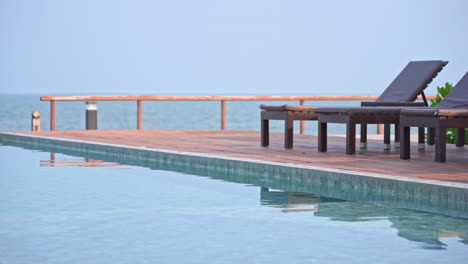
(205, 98)
(223, 99)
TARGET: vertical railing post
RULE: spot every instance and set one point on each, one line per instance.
(379, 129)
(139, 115)
(52, 115)
(302, 103)
(223, 115)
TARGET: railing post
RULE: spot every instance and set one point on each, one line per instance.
(223, 115)
(139, 115)
(52, 115)
(302, 103)
(379, 129)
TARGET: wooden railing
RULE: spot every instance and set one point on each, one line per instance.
(222, 99)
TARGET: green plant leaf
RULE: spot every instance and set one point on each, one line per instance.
(442, 92)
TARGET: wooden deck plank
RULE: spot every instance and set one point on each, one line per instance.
(246, 144)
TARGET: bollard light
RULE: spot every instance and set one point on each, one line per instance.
(91, 116)
(35, 121)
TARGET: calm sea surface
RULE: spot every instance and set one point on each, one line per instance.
(15, 114)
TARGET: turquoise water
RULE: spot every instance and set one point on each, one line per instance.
(15, 115)
(64, 211)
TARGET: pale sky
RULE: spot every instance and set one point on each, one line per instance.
(267, 47)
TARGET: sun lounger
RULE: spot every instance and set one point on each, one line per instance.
(451, 112)
(401, 92)
(386, 114)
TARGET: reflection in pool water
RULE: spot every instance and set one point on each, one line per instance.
(414, 226)
(78, 162)
(82, 214)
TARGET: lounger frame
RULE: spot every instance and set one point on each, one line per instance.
(288, 117)
(439, 125)
(351, 120)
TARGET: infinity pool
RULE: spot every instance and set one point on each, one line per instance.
(56, 208)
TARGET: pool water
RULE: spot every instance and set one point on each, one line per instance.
(56, 208)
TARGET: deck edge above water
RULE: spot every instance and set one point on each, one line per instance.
(442, 197)
(13, 135)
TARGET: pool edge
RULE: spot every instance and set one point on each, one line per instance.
(227, 158)
(443, 197)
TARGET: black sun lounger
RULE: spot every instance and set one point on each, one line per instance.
(451, 112)
(411, 82)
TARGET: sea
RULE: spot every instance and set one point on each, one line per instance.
(16, 109)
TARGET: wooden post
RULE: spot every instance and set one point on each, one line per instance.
(288, 131)
(322, 136)
(460, 137)
(397, 136)
(52, 115)
(404, 142)
(440, 144)
(36, 121)
(379, 129)
(302, 126)
(363, 139)
(223, 115)
(350, 138)
(430, 136)
(139, 115)
(52, 159)
(386, 136)
(265, 130)
(421, 138)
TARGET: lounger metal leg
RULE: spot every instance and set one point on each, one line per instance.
(397, 136)
(265, 133)
(430, 136)
(460, 137)
(386, 136)
(421, 140)
(350, 138)
(363, 136)
(288, 132)
(405, 142)
(322, 136)
(440, 144)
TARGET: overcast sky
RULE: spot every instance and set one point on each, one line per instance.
(298, 47)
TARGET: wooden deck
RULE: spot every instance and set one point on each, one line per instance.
(246, 144)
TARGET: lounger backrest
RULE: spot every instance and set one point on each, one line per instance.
(411, 81)
(458, 97)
